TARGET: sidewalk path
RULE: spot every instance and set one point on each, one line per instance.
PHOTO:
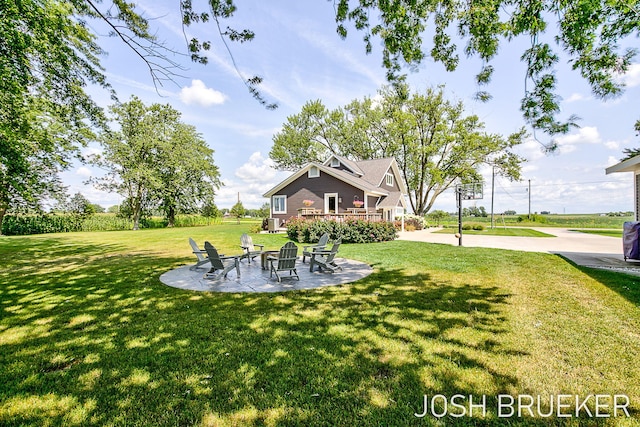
(589, 250)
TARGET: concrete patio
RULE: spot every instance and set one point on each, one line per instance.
(254, 279)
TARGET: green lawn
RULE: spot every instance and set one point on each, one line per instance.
(511, 231)
(89, 336)
(610, 233)
(553, 220)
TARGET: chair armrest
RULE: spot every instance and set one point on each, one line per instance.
(320, 253)
(229, 256)
(200, 252)
(313, 247)
(261, 246)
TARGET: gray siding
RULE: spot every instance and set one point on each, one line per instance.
(395, 186)
(305, 188)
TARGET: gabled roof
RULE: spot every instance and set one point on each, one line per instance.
(367, 175)
(375, 170)
(349, 164)
(337, 173)
(629, 165)
(392, 200)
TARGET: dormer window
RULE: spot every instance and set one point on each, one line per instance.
(388, 179)
(314, 172)
(335, 163)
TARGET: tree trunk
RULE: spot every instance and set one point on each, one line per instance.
(4, 206)
(136, 215)
(3, 211)
(171, 216)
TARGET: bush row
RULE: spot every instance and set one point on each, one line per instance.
(350, 230)
(19, 224)
(468, 226)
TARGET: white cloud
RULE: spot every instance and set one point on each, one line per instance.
(252, 180)
(531, 150)
(198, 93)
(586, 135)
(612, 161)
(632, 77)
(575, 97)
(84, 172)
(612, 145)
(257, 169)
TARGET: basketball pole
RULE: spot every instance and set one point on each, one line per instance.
(459, 197)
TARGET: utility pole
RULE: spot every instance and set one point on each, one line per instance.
(529, 199)
(459, 203)
(493, 177)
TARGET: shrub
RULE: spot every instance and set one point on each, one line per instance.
(533, 218)
(415, 221)
(350, 230)
(477, 227)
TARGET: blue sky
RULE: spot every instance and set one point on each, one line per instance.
(301, 58)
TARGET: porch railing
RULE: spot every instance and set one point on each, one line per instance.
(350, 214)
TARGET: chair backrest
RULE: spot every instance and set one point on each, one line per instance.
(323, 239)
(247, 242)
(214, 257)
(287, 256)
(334, 251)
(196, 250)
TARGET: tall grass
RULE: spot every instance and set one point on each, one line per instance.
(21, 225)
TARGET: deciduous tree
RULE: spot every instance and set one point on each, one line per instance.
(187, 172)
(431, 138)
(238, 211)
(47, 56)
(154, 160)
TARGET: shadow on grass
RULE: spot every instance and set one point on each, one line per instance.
(626, 285)
(88, 335)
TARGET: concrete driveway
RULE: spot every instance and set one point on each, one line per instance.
(589, 250)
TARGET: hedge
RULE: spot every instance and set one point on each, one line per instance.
(349, 230)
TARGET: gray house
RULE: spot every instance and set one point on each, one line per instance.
(630, 165)
(338, 188)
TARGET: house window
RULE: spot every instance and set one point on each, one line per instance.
(388, 179)
(314, 172)
(335, 162)
(279, 204)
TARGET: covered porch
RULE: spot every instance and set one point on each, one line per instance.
(351, 213)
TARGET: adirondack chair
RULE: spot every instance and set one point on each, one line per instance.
(218, 262)
(320, 246)
(285, 261)
(325, 259)
(249, 248)
(200, 254)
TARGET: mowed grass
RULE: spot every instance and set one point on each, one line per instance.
(89, 336)
(511, 231)
(553, 220)
(610, 233)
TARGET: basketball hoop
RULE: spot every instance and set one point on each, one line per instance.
(472, 191)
